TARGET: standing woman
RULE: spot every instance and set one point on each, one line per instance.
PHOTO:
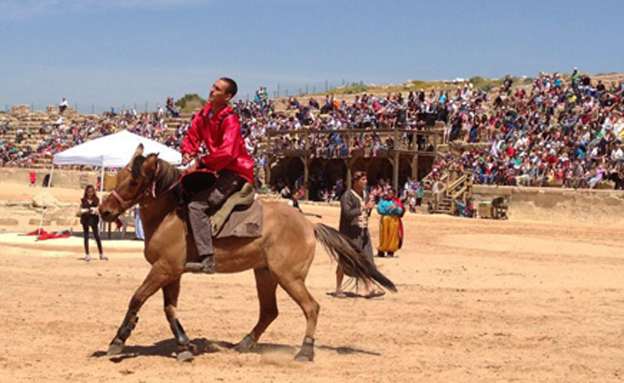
(390, 227)
(89, 218)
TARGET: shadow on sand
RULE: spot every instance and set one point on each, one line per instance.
(166, 348)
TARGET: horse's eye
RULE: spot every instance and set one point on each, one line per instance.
(134, 183)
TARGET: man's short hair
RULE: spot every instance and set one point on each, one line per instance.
(232, 88)
(357, 175)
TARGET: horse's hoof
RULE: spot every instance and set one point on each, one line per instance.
(185, 356)
(245, 345)
(304, 357)
(306, 354)
(115, 348)
(192, 348)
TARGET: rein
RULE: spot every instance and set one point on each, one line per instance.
(150, 189)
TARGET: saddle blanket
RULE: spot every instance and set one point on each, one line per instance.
(240, 223)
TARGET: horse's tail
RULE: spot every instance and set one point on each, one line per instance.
(352, 260)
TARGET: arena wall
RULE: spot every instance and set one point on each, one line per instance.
(556, 204)
(537, 204)
(60, 178)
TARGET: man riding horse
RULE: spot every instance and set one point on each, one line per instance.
(218, 128)
(280, 256)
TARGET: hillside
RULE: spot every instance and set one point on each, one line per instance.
(348, 92)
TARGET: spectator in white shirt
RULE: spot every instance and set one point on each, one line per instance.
(63, 105)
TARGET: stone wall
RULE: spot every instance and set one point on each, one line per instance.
(61, 178)
(556, 204)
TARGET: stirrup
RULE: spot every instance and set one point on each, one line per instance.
(207, 266)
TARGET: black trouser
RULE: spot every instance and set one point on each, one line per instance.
(226, 184)
(93, 223)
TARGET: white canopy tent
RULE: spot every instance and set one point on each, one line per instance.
(113, 151)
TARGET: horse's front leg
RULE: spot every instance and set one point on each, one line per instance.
(156, 279)
(186, 349)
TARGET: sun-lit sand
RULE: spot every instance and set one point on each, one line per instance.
(478, 301)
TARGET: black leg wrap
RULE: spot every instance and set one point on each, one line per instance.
(117, 344)
(128, 325)
(179, 334)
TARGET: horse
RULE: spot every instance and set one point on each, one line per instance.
(281, 256)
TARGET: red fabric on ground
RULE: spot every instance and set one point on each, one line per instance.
(37, 232)
(54, 235)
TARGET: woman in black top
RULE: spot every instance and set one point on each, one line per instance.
(89, 218)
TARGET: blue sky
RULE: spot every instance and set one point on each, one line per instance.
(100, 53)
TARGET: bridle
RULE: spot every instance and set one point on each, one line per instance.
(148, 190)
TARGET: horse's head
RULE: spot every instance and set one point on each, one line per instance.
(134, 184)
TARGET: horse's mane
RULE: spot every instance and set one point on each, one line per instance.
(165, 177)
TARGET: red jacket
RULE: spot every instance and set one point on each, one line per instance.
(225, 144)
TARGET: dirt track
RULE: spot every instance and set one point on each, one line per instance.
(478, 301)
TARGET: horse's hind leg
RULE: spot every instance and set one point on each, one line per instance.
(154, 281)
(185, 347)
(266, 286)
(295, 287)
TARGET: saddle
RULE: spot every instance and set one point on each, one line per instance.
(239, 216)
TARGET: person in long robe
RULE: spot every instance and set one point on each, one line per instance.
(355, 208)
(391, 209)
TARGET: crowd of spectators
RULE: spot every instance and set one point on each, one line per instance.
(366, 116)
(563, 133)
(52, 138)
(558, 131)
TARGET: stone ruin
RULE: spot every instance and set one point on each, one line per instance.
(20, 109)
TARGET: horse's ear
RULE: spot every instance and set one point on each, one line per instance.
(138, 152)
(149, 166)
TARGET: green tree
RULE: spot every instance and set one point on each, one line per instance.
(190, 102)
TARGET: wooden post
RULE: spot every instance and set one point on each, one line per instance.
(398, 145)
(348, 144)
(306, 164)
(306, 177)
(350, 162)
(349, 173)
(306, 145)
(397, 159)
(395, 171)
(415, 167)
(267, 171)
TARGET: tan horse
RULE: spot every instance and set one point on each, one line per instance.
(282, 256)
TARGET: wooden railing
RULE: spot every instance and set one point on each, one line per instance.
(429, 178)
(457, 189)
(401, 139)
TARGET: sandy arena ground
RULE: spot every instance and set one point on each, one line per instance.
(478, 301)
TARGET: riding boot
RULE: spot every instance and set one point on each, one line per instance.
(205, 266)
